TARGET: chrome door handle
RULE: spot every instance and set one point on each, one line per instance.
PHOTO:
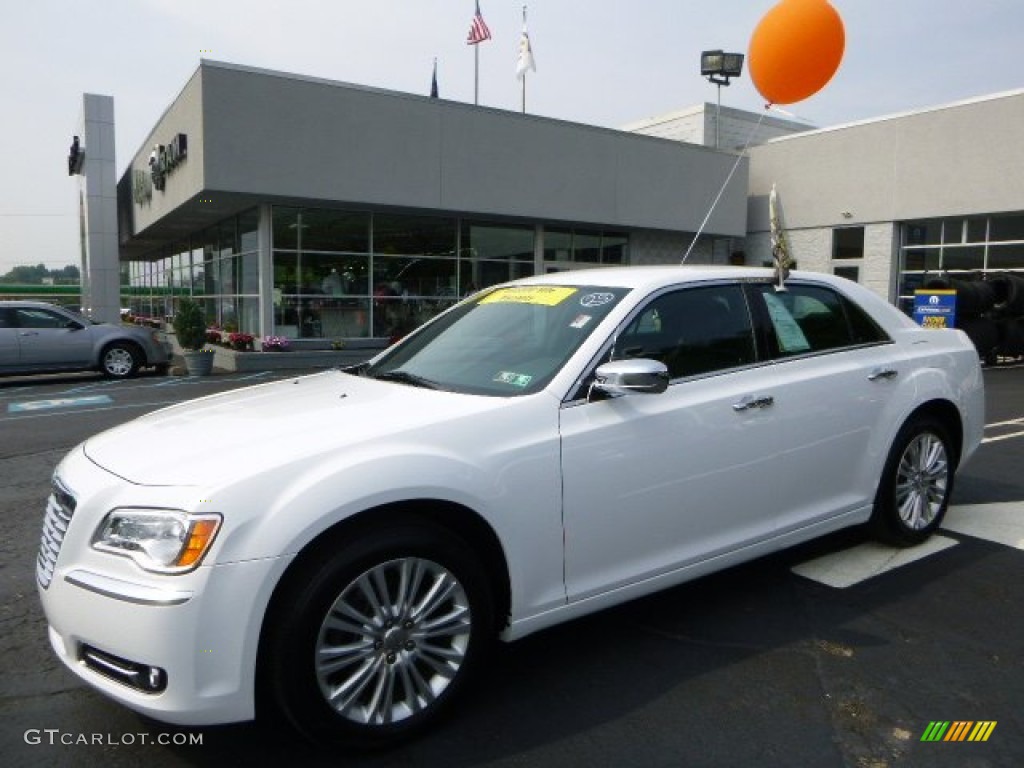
(882, 373)
(29, 333)
(749, 401)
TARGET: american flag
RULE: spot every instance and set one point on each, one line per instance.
(478, 31)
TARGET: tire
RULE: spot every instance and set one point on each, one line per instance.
(120, 360)
(916, 484)
(973, 297)
(353, 659)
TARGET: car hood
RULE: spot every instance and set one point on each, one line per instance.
(245, 432)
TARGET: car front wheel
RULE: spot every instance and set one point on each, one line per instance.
(120, 360)
(370, 645)
(916, 484)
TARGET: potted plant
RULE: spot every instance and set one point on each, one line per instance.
(190, 328)
(241, 341)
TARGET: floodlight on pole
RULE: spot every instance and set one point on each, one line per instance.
(718, 67)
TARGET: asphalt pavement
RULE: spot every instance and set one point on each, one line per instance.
(767, 664)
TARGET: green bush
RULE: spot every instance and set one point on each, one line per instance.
(190, 325)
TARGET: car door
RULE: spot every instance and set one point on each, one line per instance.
(655, 482)
(8, 340)
(835, 374)
(51, 339)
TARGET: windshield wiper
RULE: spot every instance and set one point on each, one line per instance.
(405, 377)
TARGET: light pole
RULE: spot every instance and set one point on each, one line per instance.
(718, 67)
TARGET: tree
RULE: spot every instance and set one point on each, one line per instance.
(28, 275)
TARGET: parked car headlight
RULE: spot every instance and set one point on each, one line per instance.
(161, 540)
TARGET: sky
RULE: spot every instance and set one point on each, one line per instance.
(599, 62)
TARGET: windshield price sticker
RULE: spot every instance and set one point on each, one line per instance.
(543, 295)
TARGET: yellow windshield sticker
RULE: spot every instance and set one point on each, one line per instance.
(544, 295)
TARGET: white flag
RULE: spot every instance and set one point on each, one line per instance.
(525, 56)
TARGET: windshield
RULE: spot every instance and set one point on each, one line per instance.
(510, 341)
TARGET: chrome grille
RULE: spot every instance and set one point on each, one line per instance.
(59, 509)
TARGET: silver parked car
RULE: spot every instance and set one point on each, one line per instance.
(37, 337)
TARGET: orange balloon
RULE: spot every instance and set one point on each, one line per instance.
(795, 50)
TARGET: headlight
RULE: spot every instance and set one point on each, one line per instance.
(161, 540)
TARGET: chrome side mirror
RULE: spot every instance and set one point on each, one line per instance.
(634, 376)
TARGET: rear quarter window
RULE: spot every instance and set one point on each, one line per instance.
(808, 318)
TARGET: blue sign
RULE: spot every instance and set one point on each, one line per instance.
(935, 308)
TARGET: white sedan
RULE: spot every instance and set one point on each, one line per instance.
(342, 548)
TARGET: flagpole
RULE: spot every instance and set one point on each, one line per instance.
(524, 71)
(476, 74)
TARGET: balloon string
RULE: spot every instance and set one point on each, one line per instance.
(725, 184)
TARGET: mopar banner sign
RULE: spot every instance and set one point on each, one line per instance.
(935, 308)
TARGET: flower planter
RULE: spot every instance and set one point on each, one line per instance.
(198, 362)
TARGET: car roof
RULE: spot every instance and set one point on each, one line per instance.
(652, 277)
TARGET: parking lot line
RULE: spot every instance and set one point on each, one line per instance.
(997, 438)
(1002, 523)
(852, 566)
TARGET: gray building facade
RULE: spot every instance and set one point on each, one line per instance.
(315, 209)
(890, 201)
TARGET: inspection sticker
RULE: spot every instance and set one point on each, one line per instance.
(596, 299)
(580, 321)
(515, 379)
(544, 295)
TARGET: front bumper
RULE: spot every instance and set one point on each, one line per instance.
(202, 637)
(179, 648)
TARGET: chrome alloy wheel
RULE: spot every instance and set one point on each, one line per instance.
(393, 641)
(922, 480)
(118, 361)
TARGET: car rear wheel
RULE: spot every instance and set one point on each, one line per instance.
(371, 644)
(916, 484)
(120, 360)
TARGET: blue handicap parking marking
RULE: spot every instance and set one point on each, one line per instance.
(59, 402)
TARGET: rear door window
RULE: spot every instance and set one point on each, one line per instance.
(809, 318)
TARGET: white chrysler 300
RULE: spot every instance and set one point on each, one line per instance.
(341, 548)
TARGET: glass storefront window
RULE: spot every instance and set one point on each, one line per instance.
(926, 232)
(1006, 256)
(613, 248)
(586, 247)
(916, 259)
(250, 269)
(496, 241)
(248, 231)
(227, 238)
(557, 244)
(1004, 228)
(968, 257)
(977, 230)
(413, 235)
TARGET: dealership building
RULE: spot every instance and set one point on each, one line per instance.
(321, 210)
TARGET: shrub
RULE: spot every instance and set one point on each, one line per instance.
(190, 325)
